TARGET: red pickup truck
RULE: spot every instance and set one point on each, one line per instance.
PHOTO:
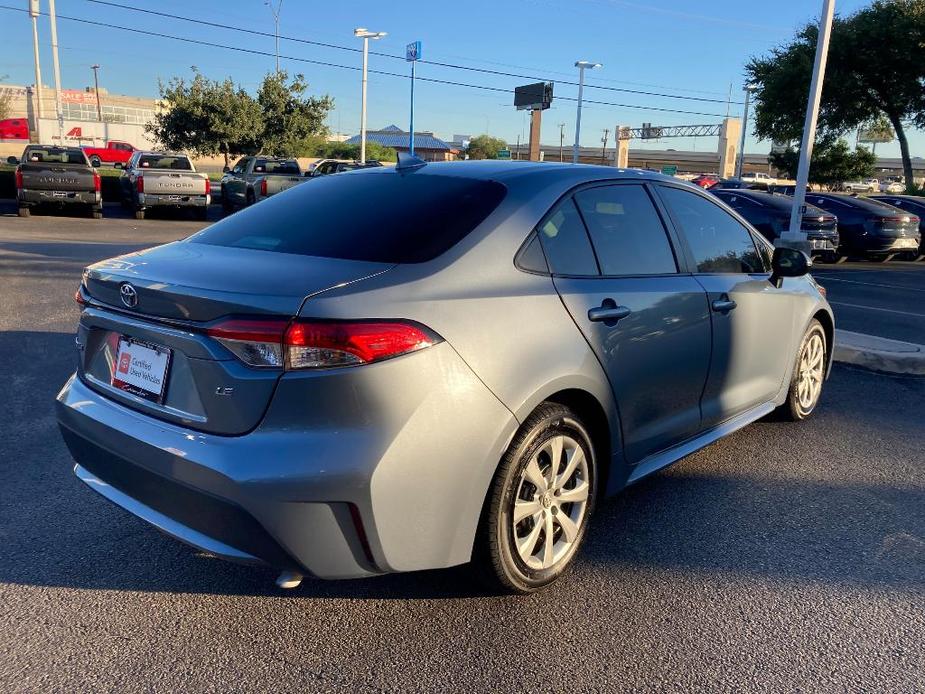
(115, 152)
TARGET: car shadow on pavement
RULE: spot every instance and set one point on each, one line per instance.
(718, 513)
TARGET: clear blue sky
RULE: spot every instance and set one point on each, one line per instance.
(682, 48)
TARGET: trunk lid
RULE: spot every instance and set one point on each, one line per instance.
(181, 288)
(279, 183)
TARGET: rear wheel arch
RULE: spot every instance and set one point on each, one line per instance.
(828, 326)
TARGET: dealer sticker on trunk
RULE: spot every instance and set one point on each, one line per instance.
(141, 369)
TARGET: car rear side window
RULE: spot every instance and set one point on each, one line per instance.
(718, 241)
(626, 230)
(565, 241)
(375, 215)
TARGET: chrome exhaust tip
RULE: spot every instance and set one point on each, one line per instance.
(289, 579)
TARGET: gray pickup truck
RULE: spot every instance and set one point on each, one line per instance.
(164, 180)
(258, 177)
(53, 175)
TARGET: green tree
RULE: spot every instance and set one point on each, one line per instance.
(485, 147)
(832, 162)
(875, 68)
(290, 117)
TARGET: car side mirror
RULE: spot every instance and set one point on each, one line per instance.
(12, 160)
(788, 262)
(226, 169)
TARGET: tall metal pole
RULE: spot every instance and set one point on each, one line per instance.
(96, 89)
(581, 89)
(411, 134)
(740, 162)
(363, 102)
(54, 57)
(795, 233)
(40, 109)
(561, 139)
(276, 10)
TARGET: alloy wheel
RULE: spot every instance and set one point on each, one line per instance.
(811, 372)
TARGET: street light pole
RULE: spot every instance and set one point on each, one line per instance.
(34, 13)
(795, 233)
(561, 139)
(366, 35)
(749, 88)
(96, 90)
(581, 65)
(59, 113)
(276, 11)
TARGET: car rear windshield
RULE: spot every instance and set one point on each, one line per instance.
(56, 155)
(156, 161)
(372, 215)
(276, 167)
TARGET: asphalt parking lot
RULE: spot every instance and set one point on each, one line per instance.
(783, 558)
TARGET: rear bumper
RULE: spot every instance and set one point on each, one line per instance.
(38, 197)
(145, 200)
(396, 488)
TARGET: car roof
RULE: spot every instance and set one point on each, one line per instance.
(875, 206)
(776, 200)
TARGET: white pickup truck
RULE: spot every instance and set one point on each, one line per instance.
(759, 179)
(164, 179)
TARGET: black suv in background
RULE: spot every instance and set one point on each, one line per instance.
(870, 228)
(769, 213)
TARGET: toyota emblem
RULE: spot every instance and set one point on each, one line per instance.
(129, 295)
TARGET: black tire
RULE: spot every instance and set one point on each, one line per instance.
(496, 560)
(24, 211)
(96, 212)
(839, 259)
(829, 257)
(139, 214)
(95, 162)
(793, 410)
(251, 197)
(227, 205)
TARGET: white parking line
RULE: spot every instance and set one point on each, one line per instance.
(829, 278)
(876, 308)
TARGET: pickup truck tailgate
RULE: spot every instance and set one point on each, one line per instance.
(174, 183)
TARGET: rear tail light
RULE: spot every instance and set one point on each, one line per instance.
(18, 178)
(263, 187)
(306, 344)
(208, 187)
(140, 184)
(97, 182)
(893, 220)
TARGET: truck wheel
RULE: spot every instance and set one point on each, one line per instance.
(251, 198)
(139, 214)
(202, 214)
(24, 211)
(96, 212)
(95, 161)
(227, 205)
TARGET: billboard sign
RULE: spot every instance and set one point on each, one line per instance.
(533, 97)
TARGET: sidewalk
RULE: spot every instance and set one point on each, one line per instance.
(879, 353)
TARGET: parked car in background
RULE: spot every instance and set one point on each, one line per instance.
(769, 213)
(788, 189)
(892, 186)
(59, 176)
(326, 167)
(869, 228)
(759, 179)
(257, 177)
(705, 180)
(733, 184)
(860, 186)
(113, 152)
(913, 204)
(14, 129)
(164, 180)
(346, 399)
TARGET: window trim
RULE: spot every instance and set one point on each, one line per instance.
(713, 200)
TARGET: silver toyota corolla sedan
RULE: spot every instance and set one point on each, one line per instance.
(391, 370)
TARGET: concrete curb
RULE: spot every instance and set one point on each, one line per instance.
(879, 353)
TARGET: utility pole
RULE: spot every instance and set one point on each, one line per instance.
(59, 113)
(582, 65)
(276, 12)
(366, 35)
(96, 89)
(740, 162)
(794, 234)
(561, 140)
(34, 13)
(604, 145)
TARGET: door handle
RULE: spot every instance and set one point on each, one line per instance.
(723, 305)
(608, 312)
